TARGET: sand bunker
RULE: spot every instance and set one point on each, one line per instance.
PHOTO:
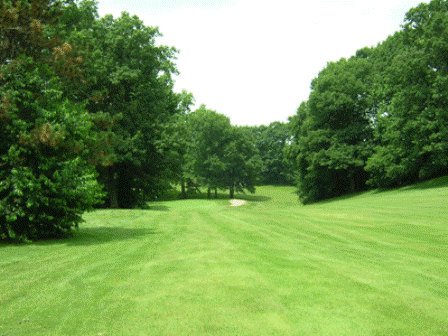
(236, 202)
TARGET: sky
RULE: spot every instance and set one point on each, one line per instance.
(253, 60)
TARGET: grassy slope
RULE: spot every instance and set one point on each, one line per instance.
(372, 264)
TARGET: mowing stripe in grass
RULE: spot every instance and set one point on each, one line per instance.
(372, 264)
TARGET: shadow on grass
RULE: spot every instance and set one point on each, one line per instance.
(89, 236)
(338, 198)
(159, 208)
(173, 196)
(253, 198)
(100, 235)
(439, 182)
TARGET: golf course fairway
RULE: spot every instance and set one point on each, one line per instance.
(374, 263)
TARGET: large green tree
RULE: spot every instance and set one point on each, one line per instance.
(382, 113)
(127, 76)
(412, 126)
(210, 132)
(333, 131)
(47, 178)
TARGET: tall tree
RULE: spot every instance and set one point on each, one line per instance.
(412, 128)
(176, 145)
(333, 131)
(46, 179)
(127, 75)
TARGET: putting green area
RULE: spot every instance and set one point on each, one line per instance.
(375, 263)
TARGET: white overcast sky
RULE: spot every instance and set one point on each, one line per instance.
(254, 60)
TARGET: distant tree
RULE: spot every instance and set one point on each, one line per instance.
(223, 156)
(210, 132)
(243, 163)
(175, 145)
(270, 142)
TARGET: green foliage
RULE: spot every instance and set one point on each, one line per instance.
(175, 146)
(22, 26)
(46, 181)
(242, 162)
(271, 141)
(221, 155)
(332, 132)
(378, 119)
(412, 129)
(125, 74)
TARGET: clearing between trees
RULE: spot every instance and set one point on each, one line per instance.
(371, 264)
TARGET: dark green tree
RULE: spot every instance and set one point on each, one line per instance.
(176, 145)
(126, 75)
(223, 156)
(412, 126)
(270, 141)
(210, 133)
(333, 132)
(242, 162)
(47, 177)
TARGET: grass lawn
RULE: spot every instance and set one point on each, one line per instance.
(372, 264)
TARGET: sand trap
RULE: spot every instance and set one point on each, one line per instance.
(236, 202)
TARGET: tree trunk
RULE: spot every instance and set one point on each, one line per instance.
(352, 183)
(209, 192)
(112, 188)
(4, 229)
(183, 193)
(216, 193)
(232, 191)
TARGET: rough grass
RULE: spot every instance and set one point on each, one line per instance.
(372, 264)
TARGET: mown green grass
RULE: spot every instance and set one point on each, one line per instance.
(372, 264)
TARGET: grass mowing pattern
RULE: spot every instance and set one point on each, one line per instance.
(371, 264)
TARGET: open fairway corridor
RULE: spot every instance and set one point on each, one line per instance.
(371, 264)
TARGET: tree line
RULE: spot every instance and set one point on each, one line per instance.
(205, 149)
(378, 119)
(88, 118)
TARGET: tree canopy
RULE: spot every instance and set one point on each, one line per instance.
(84, 101)
(88, 114)
(129, 77)
(378, 118)
(222, 156)
(271, 141)
(47, 179)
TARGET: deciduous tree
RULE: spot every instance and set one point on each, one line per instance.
(46, 179)
(126, 74)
